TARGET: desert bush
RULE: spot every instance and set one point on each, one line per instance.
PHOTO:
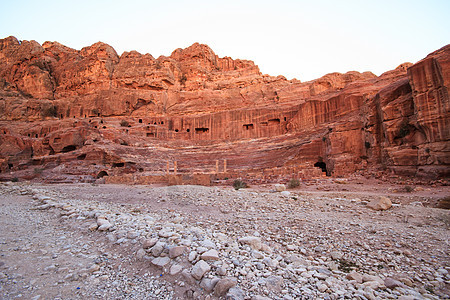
(15, 179)
(239, 184)
(293, 183)
(346, 266)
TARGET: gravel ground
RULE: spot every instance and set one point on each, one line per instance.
(74, 241)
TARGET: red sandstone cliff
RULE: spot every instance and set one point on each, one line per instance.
(76, 113)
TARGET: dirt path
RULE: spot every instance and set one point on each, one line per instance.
(46, 256)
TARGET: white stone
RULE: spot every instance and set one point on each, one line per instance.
(161, 261)
(199, 269)
(208, 244)
(253, 241)
(105, 226)
(210, 255)
(175, 269)
(322, 287)
(192, 256)
(280, 187)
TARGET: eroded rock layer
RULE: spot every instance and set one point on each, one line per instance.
(69, 115)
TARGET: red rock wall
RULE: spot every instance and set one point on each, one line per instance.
(63, 106)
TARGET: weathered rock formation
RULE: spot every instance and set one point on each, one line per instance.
(77, 115)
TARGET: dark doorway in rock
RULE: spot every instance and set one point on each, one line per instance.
(201, 130)
(69, 148)
(322, 165)
(274, 121)
(102, 174)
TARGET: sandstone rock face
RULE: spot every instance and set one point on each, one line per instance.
(89, 114)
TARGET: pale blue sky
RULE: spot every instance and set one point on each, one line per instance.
(297, 39)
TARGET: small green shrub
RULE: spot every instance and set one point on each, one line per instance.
(239, 184)
(124, 123)
(15, 179)
(293, 183)
(346, 266)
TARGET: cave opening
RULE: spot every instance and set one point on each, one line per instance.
(118, 165)
(69, 148)
(323, 166)
(274, 121)
(201, 130)
(102, 174)
(140, 120)
(248, 126)
(81, 156)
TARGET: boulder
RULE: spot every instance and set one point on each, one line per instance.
(380, 203)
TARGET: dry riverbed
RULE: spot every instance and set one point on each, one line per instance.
(319, 241)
